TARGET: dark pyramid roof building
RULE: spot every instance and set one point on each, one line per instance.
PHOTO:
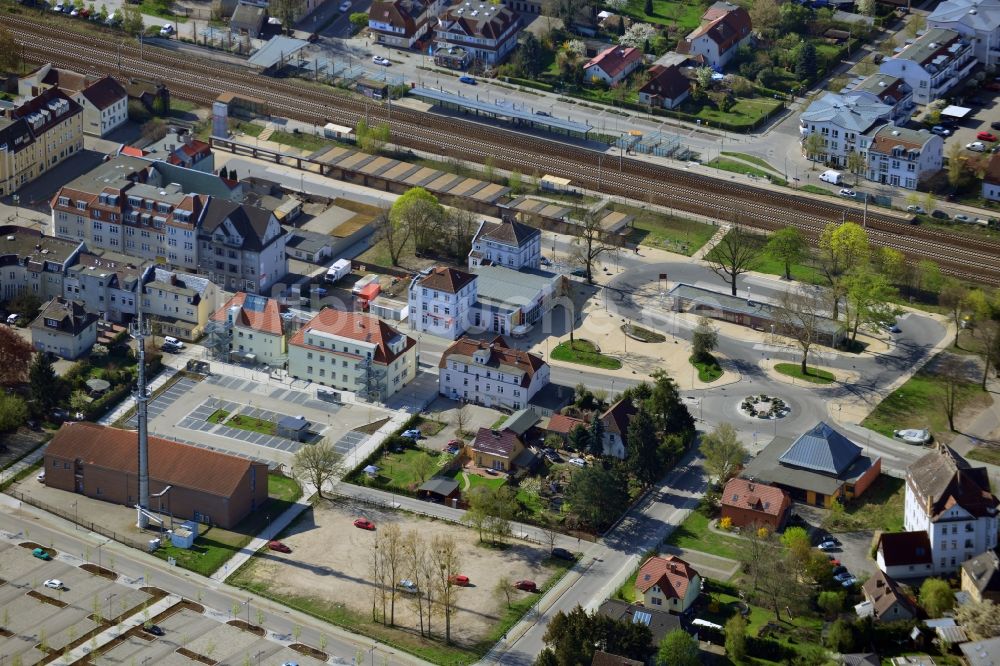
(821, 449)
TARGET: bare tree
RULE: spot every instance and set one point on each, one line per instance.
(317, 464)
(428, 570)
(392, 558)
(590, 244)
(414, 554)
(735, 255)
(503, 590)
(954, 380)
(375, 574)
(461, 419)
(445, 557)
(799, 316)
(954, 297)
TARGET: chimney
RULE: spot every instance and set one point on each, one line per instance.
(750, 485)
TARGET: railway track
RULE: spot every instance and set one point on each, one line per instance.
(202, 81)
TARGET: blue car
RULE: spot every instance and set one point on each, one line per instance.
(465, 78)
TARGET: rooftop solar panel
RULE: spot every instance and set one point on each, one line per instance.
(255, 303)
(642, 617)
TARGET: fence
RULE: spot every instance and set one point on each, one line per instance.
(93, 527)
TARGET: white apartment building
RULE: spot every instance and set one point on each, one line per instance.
(976, 20)
(442, 301)
(491, 373)
(506, 243)
(486, 31)
(179, 303)
(933, 64)
(254, 328)
(352, 351)
(903, 157)
(105, 106)
(951, 501)
(104, 286)
(402, 23)
(724, 28)
(890, 90)
(844, 122)
(64, 328)
(32, 263)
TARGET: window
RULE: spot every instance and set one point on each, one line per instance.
(657, 601)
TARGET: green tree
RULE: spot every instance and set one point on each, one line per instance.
(579, 439)
(45, 389)
(596, 436)
(678, 648)
(359, 21)
(869, 300)
(805, 65)
(704, 339)
(642, 448)
(956, 163)
(317, 464)
(419, 211)
(573, 637)
(131, 19)
(813, 146)
(514, 180)
(830, 602)
(843, 247)
(597, 495)
(724, 454)
(840, 637)
(286, 11)
(664, 403)
(15, 357)
(734, 255)
(10, 52)
(936, 596)
(788, 246)
(736, 638)
(954, 298)
(856, 164)
(765, 15)
(13, 412)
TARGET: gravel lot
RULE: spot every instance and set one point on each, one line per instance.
(330, 560)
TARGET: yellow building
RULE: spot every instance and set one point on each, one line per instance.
(37, 136)
(496, 449)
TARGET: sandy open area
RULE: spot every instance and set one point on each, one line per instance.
(331, 559)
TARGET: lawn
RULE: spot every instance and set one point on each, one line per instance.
(708, 369)
(643, 334)
(693, 534)
(307, 142)
(215, 546)
(752, 159)
(745, 113)
(666, 232)
(815, 189)
(733, 166)
(474, 480)
(986, 454)
(400, 470)
(812, 375)
(918, 404)
(880, 508)
(584, 353)
(686, 16)
(801, 272)
(243, 422)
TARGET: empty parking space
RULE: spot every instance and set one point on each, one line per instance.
(198, 420)
(162, 401)
(348, 441)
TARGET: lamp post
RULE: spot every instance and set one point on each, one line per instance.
(108, 599)
(76, 515)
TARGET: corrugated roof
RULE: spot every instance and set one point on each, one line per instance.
(821, 449)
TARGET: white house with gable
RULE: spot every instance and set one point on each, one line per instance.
(441, 301)
(491, 373)
(976, 20)
(506, 243)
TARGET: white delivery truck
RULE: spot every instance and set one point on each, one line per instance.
(338, 270)
(363, 282)
(832, 177)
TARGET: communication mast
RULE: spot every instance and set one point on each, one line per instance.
(139, 331)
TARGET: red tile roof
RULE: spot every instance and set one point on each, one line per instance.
(617, 416)
(562, 424)
(615, 59)
(754, 496)
(501, 354)
(355, 326)
(671, 574)
(267, 320)
(450, 280)
(723, 23)
(500, 443)
(900, 548)
(169, 462)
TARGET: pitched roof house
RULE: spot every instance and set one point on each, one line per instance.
(747, 502)
(724, 27)
(616, 419)
(487, 32)
(904, 554)
(991, 179)
(667, 87)
(402, 23)
(612, 65)
(981, 576)
(888, 602)
(248, 19)
(65, 328)
(506, 243)
(660, 622)
(668, 583)
(491, 373)
(257, 328)
(496, 449)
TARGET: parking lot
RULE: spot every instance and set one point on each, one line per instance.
(42, 621)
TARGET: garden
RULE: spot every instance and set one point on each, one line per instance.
(584, 352)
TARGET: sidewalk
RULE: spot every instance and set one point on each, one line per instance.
(24, 463)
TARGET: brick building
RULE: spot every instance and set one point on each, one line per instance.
(749, 503)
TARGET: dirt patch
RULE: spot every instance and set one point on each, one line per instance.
(245, 626)
(373, 427)
(309, 651)
(31, 545)
(46, 599)
(331, 564)
(194, 655)
(99, 571)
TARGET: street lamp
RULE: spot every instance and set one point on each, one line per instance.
(108, 599)
(76, 515)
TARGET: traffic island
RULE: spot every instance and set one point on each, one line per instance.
(584, 352)
(811, 375)
(708, 367)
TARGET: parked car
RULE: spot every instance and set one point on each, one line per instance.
(939, 215)
(167, 339)
(454, 444)
(53, 584)
(842, 576)
(940, 131)
(459, 580)
(379, 60)
(41, 554)
(849, 581)
(12, 318)
(961, 217)
(976, 146)
(345, 5)
(412, 433)
(848, 192)
(913, 436)
(546, 261)
(986, 136)
(837, 570)
(919, 210)
(543, 113)
(526, 585)
(166, 30)
(152, 629)
(562, 554)
(465, 78)
(364, 524)
(579, 462)
(408, 585)
(278, 546)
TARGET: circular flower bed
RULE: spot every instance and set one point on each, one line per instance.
(763, 406)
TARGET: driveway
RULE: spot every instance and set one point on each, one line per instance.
(854, 546)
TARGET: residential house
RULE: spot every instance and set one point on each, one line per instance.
(890, 90)
(950, 500)
(152, 95)
(602, 658)
(612, 65)
(667, 87)
(402, 23)
(904, 157)
(976, 20)
(904, 554)
(487, 32)
(668, 583)
(309, 246)
(241, 247)
(36, 136)
(991, 179)
(204, 485)
(888, 601)
(124, 205)
(64, 328)
(507, 243)
(748, 503)
(248, 19)
(615, 420)
(255, 329)
(491, 373)
(512, 302)
(104, 101)
(981, 653)
(522, 422)
(104, 285)
(441, 301)
(935, 63)
(845, 123)
(981, 577)
(496, 449)
(352, 351)
(724, 28)
(562, 425)
(33, 263)
(184, 150)
(660, 622)
(819, 467)
(180, 303)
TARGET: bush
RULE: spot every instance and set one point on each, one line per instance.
(726, 523)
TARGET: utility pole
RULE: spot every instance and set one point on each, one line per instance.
(139, 331)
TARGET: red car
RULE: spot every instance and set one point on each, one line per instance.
(461, 580)
(834, 562)
(454, 443)
(364, 524)
(526, 585)
(986, 136)
(278, 546)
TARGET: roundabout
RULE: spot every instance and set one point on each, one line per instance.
(762, 406)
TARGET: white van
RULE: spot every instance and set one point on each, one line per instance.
(832, 177)
(12, 319)
(172, 342)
